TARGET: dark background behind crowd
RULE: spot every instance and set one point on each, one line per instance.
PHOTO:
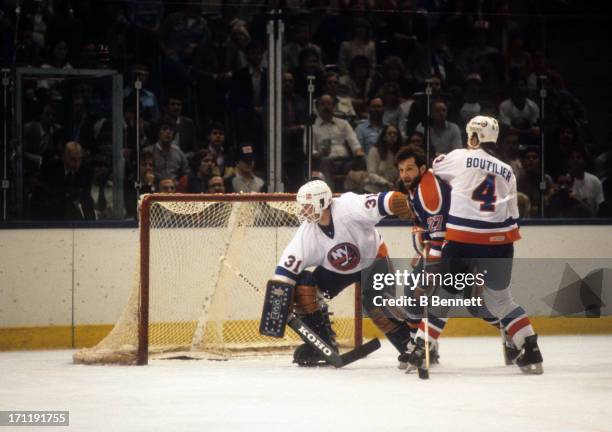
(203, 103)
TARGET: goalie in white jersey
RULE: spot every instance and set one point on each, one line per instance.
(338, 238)
(482, 227)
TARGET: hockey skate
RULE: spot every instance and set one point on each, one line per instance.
(511, 352)
(414, 357)
(530, 359)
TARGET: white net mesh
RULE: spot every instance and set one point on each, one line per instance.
(209, 263)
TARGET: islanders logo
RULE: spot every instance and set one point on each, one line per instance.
(344, 256)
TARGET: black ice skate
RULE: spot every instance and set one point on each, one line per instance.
(511, 352)
(530, 359)
(416, 358)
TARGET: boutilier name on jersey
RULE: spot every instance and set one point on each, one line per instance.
(488, 165)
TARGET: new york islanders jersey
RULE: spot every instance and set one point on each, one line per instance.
(483, 207)
(348, 245)
(430, 202)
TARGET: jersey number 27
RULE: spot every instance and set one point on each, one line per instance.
(485, 193)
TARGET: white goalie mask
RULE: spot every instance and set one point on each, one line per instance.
(485, 128)
(312, 198)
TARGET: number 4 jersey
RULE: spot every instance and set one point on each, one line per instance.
(483, 206)
(348, 245)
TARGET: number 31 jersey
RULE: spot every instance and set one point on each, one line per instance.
(483, 206)
(348, 245)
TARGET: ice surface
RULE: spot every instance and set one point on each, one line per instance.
(470, 390)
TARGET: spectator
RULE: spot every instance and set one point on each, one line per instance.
(80, 125)
(169, 160)
(518, 61)
(520, 113)
(331, 135)
(585, 187)
(295, 116)
(509, 152)
(185, 136)
(41, 136)
(381, 157)
(444, 136)
(369, 130)
(179, 36)
(558, 149)
(57, 60)
(417, 139)
(343, 107)
(471, 106)
(358, 84)
(333, 140)
(247, 97)
(244, 179)
(215, 185)
(167, 185)
(442, 61)
(129, 127)
(540, 68)
(472, 59)
(300, 41)
(146, 182)
(102, 187)
(524, 206)
(198, 181)
(529, 181)
(361, 44)
(393, 108)
(149, 107)
(236, 47)
(360, 180)
(393, 72)
(65, 193)
(309, 65)
(417, 111)
(216, 146)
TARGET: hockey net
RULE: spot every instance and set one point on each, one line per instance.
(203, 267)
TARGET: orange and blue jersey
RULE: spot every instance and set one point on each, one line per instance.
(431, 202)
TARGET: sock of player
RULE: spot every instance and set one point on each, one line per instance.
(518, 326)
(436, 326)
(399, 336)
(413, 325)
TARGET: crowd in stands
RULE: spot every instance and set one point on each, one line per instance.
(203, 102)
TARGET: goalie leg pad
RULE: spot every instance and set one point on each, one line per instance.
(276, 306)
(305, 300)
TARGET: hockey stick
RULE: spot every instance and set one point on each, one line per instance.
(423, 371)
(330, 355)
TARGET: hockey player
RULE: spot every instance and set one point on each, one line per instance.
(429, 198)
(338, 238)
(481, 229)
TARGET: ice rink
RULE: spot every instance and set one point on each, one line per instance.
(469, 391)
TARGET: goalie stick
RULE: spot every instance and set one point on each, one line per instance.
(330, 355)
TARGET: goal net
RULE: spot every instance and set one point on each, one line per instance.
(203, 267)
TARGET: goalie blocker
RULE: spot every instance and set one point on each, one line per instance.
(276, 314)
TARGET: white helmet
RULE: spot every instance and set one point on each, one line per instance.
(485, 128)
(313, 197)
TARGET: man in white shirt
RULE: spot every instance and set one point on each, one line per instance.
(585, 187)
(333, 140)
(520, 113)
(444, 136)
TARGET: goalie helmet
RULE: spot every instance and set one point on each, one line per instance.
(313, 197)
(485, 128)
